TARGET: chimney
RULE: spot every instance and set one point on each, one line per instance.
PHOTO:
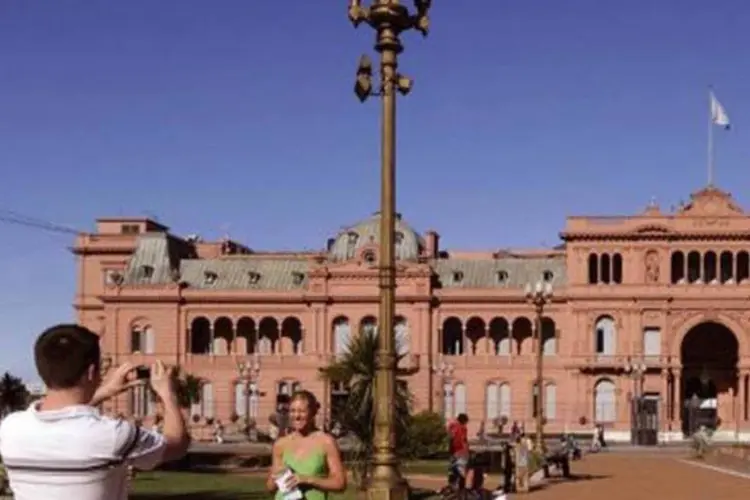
(432, 240)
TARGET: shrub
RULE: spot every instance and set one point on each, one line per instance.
(426, 436)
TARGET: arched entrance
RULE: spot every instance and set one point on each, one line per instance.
(709, 355)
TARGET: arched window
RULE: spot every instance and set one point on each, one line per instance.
(141, 402)
(605, 336)
(492, 401)
(505, 401)
(460, 399)
(403, 339)
(550, 401)
(497, 400)
(142, 340)
(342, 335)
(605, 404)
(447, 401)
(240, 398)
(207, 400)
(593, 269)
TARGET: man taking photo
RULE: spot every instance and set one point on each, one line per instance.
(62, 447)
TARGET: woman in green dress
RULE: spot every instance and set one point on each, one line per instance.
(311, 455)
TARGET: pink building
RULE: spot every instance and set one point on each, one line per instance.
(653, 305)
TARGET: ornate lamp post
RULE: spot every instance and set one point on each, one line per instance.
(248, 372)
(444, 371)
(637, 370)
(538, 295)
(389, 19)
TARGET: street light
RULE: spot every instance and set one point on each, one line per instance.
(444, 371)
(248, 372)
(538, 295)
(389, 19)
(637, 370)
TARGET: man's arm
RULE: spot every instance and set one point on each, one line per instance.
(146, 449)
(143, 448)
(175, 430)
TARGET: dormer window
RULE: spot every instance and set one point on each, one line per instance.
(352, 237)
(458, 276)
(368, 256)
(502, 277)
(146, 272)
(130, 229)
(298, 277)
(548, 276)
(113, 277)
(398, 237)
(253, 277)
(210, 277)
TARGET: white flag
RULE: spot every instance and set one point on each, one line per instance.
(718, 114)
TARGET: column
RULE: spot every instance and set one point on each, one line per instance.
(665, 402)
(676, 403)
(487, 340)
(741, 399)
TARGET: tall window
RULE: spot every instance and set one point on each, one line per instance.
(341, 336)
(651, 342)
(142, 340)
(246, 398)
(605, 410)
(606, 336)
(141, 401)
(205, 407)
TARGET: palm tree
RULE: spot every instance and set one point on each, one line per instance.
(13, 394)
(356, 370)
(189, 389)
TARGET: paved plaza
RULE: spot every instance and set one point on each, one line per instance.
(629, 476)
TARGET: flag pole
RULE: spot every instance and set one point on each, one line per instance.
(710, 159)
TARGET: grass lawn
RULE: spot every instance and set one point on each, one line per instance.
(215, 486)
(428, 467)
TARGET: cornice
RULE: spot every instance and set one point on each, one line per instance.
(571, 237)
(101, 250)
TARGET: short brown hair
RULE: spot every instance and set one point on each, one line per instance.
(63, 353)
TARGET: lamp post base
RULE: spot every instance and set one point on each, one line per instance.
(385, 483)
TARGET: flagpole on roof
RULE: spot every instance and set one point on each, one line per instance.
(717, 116)
(710, 166)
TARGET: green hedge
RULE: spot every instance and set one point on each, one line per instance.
(426, 437)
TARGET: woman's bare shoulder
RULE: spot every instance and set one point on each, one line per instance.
(325, 439)
(281, 444)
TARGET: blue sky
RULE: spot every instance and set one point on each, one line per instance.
(239, 115)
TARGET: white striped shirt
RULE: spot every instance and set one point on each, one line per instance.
(74, 453)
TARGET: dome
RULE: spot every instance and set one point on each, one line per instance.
(348, 242)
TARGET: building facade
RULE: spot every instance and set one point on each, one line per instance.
(653, 305)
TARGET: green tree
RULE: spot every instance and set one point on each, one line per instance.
(13, 394)
(356, 370)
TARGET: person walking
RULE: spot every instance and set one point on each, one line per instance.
(62, 447)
